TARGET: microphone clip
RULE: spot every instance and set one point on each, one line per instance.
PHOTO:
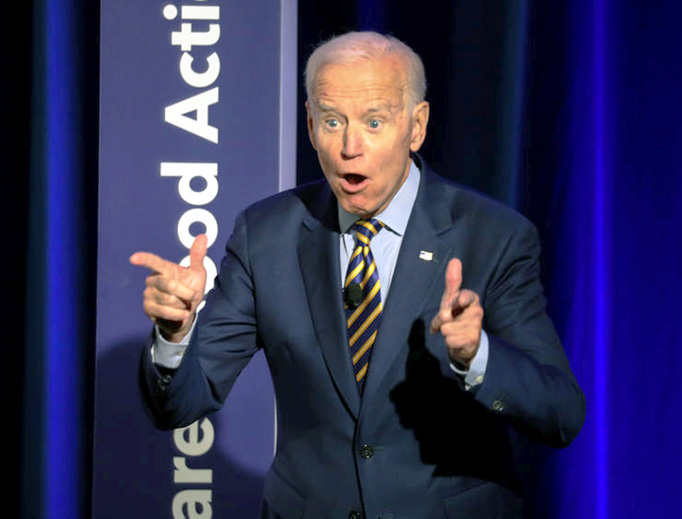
(352, 295)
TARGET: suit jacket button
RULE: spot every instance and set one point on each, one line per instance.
(355, 514)
(498, 405)
(366, 451)
(163, 382)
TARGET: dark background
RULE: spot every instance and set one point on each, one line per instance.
(568, 112)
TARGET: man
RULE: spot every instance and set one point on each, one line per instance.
(398, 396)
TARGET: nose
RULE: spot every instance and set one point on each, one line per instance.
(352, 142)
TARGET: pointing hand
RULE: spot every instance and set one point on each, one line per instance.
(173, 292)
(460, 317)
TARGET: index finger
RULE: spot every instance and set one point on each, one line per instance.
(453, 283)
(152, 262)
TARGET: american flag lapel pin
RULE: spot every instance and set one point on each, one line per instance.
(426, 255)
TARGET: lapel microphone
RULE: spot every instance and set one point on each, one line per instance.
(352, 295)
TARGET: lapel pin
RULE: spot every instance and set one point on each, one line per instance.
(426, 255)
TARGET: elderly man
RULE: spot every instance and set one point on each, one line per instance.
(398, 396)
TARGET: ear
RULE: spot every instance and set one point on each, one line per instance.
(420, 118)
(311, 133)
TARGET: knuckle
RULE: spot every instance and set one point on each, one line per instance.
(165, 300)
(172, 285)
(453, 343)
(151, 311)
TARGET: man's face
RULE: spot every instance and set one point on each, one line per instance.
(359, 124)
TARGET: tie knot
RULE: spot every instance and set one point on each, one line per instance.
(367, 229)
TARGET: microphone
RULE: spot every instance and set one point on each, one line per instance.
(352, 295)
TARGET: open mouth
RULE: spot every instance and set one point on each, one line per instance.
(354, 179)
(353, 183)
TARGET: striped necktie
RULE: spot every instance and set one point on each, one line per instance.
(363, 298)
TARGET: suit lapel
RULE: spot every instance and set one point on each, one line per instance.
(318, 250)
(414, 280)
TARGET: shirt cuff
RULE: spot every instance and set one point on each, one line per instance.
(476, 373)
(169, 354)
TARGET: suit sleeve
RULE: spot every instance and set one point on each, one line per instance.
(224, 341)
(528, 380)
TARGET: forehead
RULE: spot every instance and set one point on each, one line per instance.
(375, 80)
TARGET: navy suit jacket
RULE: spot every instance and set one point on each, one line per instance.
(417, 444)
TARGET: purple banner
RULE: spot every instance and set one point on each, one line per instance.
(197, 107)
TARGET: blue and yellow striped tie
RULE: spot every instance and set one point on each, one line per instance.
(363, 319)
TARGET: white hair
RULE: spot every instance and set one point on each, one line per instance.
(353, 47)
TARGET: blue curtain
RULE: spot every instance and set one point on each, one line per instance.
(612, 228)
(567, 111)
(57, 155)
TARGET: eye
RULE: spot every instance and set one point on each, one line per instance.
(332, 123)
(374, 123)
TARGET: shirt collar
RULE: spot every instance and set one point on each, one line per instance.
(398, 211)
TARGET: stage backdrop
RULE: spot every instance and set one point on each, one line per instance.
(197, 106)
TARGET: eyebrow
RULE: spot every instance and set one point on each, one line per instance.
(372, 110)
(326, 108)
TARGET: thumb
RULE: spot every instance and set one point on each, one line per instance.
(197, 252)
(453, 282)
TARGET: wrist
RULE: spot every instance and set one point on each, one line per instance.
(171, 333)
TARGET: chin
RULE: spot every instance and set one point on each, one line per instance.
(355, 209)
(347, 204)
